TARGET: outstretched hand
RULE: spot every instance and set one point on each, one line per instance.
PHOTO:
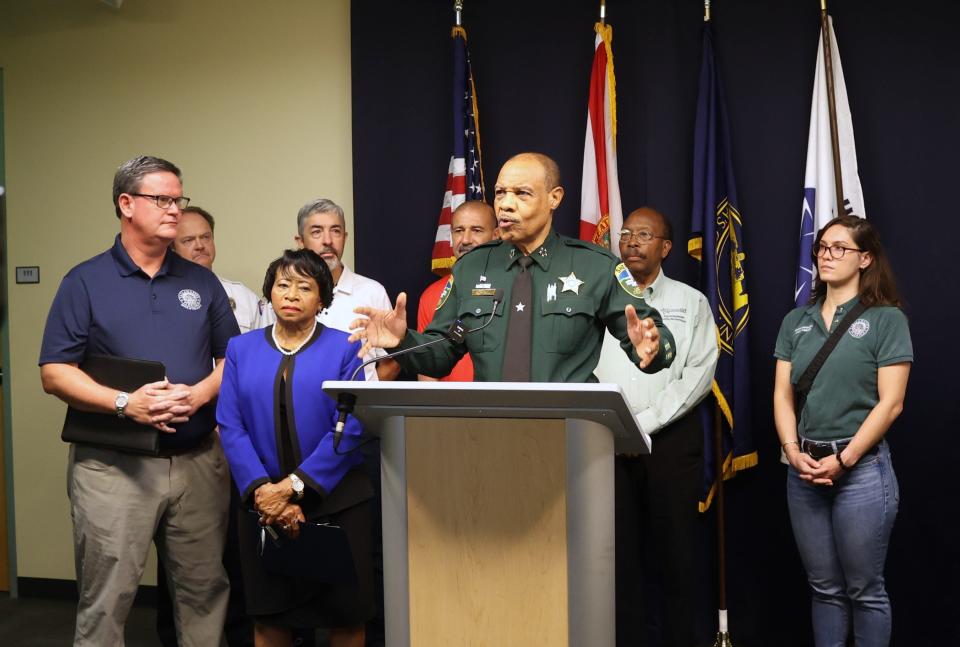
(644, 336)
(380, 328)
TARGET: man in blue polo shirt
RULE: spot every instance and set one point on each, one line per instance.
(136, 300)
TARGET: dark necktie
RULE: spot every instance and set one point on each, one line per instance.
(516, 361)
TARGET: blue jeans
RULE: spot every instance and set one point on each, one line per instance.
(842, 533)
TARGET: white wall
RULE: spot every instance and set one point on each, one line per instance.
(250, 98)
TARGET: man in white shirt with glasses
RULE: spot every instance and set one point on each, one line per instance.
(657, 518)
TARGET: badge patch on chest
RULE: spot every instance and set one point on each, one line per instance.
(859, 328)
(627, 282)
(447, 289)
(189, 299)
(571, 283)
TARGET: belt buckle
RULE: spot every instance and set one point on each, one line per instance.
(818, 450)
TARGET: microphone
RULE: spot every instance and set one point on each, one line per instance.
(455, 333)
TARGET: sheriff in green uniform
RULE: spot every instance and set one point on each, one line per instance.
(576, 290)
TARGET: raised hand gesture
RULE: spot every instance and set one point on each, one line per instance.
(380, 328)
(644, 335)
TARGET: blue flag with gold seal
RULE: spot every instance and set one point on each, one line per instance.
(716, 240)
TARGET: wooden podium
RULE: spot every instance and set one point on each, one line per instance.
(498, 509)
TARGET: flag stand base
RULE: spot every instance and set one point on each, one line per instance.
(722, 640)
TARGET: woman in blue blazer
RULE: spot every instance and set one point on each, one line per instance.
(276, 427)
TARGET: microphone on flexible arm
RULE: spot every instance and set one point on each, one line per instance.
(455, 333)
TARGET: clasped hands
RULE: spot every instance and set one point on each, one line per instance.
(818, 472)
(272, 501)
(161, 404)
(387, 328)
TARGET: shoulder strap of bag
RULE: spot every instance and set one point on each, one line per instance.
(804, 384)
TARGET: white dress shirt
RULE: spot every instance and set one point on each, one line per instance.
(245, 304)
(661, 398)
(351, 291)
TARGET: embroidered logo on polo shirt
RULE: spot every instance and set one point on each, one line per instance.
(189, 299)
(859, 328)
(803, 329)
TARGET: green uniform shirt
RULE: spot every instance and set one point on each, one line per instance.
(578, 290)
(845, 390)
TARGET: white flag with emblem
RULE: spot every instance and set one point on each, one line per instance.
(819, 187)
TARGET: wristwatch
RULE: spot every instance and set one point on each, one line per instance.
(121, 403)
(297, 484)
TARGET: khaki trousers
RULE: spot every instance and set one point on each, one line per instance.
(119, 504)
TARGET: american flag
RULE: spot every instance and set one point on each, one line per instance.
(465, 172)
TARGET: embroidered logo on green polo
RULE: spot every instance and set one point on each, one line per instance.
(627, 282)
(447, 289)
(859, 328)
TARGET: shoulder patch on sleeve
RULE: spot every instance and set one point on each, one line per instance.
(447, 289)
(626, 281)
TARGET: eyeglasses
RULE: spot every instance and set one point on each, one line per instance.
(164, 201)
(643, 236)
(836, 251)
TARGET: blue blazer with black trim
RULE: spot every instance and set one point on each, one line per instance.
(248, 410)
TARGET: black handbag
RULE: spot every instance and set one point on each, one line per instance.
(320, 553)
(805, 383)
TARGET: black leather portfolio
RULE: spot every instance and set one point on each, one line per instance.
(107, 429)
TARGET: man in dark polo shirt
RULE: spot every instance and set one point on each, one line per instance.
(137, 300)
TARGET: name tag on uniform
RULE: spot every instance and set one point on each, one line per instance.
(485, 292)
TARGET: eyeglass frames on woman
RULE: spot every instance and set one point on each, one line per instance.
(836, 251)
(164, 201)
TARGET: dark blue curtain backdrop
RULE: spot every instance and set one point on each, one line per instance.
(531, 62)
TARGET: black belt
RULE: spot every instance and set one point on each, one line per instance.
(822, 448)
(818, 449)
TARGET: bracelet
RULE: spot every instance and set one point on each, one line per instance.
(790, 442)
(845, 468)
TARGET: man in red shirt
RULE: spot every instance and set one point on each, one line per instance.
(473, 223)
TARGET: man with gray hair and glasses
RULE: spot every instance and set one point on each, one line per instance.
(139, 300)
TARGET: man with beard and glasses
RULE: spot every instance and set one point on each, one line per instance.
(472, 223)
(657, 520)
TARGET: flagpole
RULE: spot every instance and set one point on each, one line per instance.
(457, 10)
(603, 12)
(832, 103)
(723, 629)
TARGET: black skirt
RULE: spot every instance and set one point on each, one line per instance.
(283, 601)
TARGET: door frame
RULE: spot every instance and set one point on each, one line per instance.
(8, 551)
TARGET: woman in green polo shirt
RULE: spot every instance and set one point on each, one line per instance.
(841, 489)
